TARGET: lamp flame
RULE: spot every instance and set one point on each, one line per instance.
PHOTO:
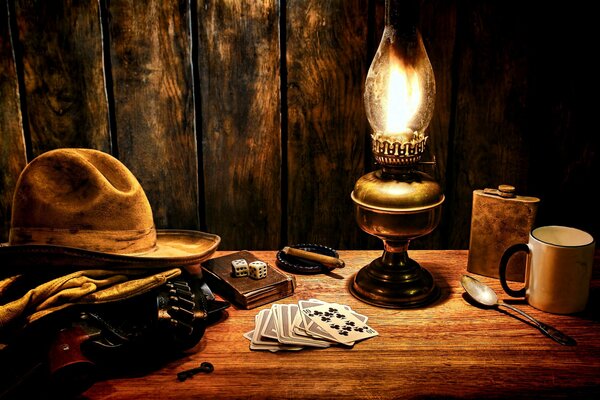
(404, 98)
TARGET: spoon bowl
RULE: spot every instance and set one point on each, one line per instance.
(479, 292)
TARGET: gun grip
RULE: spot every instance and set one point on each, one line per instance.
(67, 363)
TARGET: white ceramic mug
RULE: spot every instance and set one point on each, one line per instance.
(558, 270)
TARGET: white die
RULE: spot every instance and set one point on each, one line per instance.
(239, 268)
(257, 269)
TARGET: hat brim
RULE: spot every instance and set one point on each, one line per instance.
(174, 248)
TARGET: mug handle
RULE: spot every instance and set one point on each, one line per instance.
(504, 262)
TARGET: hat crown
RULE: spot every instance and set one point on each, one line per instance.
(81, 198)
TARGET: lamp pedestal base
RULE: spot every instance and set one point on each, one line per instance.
(394, 280)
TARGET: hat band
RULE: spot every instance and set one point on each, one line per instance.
(116, 242)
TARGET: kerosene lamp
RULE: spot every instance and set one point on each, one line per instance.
(398, 202)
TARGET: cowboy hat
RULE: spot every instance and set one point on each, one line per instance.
(83, 208)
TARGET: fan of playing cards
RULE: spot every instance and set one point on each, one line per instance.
(310, 323)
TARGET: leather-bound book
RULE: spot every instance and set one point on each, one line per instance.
(246, 292)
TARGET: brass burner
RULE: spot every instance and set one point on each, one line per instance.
(388, 151)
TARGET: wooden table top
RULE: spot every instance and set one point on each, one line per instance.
(449, 349)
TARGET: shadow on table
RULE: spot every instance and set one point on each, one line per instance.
(445, 288)
(591, 312)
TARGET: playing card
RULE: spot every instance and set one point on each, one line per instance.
(259, 343)
(302, 304)
(278, 310)
(314, 330)
(269, 331)
(284, 326)
(315, 302)
(340, 323)
(276, 346)
(298, 327)
(259, 321)
(309, 323)
(311, 328)
(290, 337)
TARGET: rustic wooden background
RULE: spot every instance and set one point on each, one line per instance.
(245, 117)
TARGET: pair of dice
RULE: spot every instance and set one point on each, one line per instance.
(256, 269)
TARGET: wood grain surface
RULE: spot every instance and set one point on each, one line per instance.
(238, 59)
(12, 141)
(154, 105)
(327, 130)
(451, 349)
(61, 48)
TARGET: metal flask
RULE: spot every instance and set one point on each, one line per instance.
(500, 218)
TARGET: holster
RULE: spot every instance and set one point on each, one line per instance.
(92, 342)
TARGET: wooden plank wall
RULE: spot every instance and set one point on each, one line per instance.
(12, 138)
(326, 51)
(245, 118)
(152, 85)
(239, 68)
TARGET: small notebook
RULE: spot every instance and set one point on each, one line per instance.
(246, 292)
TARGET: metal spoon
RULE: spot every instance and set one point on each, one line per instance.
(486, 296)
